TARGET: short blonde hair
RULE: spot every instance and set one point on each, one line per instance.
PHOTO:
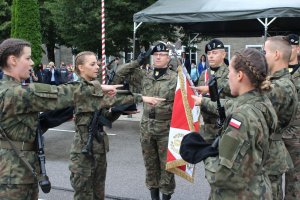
(51, 64)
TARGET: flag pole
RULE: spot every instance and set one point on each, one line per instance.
(103, 42)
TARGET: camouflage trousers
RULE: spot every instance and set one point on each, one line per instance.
(292, 177)
(276, 183)
(88, 176)
(155, 153)
(19, 192)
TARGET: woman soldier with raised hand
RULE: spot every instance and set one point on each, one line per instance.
(88, 169)
(238, 171)
(19, 109)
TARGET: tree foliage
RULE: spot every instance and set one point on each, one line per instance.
(26, 25)
(5, 16)
(79, 24)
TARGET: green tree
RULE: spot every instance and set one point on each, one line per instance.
(26, 25)
(5, 16)
(79, 24)
(49, 32)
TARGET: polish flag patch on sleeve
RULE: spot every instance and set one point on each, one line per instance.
(235, 123)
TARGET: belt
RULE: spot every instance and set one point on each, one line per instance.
(161, 116)
(21, 146)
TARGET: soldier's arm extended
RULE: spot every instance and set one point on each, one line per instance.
(211, 107)
(38, 97)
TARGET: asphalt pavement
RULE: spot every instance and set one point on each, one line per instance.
(125, 173)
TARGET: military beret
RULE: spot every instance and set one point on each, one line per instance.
(214, 44)
(293, 39)
(160, 47)
(194, 148)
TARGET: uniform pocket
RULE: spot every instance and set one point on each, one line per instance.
(230, 149)
(44, 90)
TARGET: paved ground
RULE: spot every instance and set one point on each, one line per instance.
(125, 176)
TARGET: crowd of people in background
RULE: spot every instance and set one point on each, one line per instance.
(50, 74)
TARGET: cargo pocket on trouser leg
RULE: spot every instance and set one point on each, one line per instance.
(81, 179)
(151, 162)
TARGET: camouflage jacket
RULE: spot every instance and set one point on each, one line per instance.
(84, 110)
(284, 100)
(209, 130)
(238, 172)
(156, 120)
(293, 131)
(19, 108)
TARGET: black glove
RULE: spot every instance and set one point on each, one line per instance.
(142, 58)
(194, 148)
(55, 118)
(124, 107)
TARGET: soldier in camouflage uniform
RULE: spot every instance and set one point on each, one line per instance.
(238, 172)
(291, 137)
(88, 173)
(215, 55)
(19, 108)
(284, 99)
(155, 123)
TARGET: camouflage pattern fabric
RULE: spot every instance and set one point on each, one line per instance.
(19, 192)
(238, 172)
(291, 139)
(284, 100)
(88, 174)
(155, 123)
(209, 130)
(19, 108)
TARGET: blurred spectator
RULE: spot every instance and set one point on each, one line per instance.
(186, 62)
(40, 74)
(32, 78)
(72, 74)
(1, 74)
(202, 64)
(52, 75)
(63, 74)
(194, 73)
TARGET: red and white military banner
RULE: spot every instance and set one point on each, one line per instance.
(181, 124)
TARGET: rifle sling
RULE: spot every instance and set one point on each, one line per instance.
(18, 152)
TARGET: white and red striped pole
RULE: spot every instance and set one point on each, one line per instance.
(103, 42)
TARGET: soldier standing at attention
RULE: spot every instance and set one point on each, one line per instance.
(284, 99)
(88, 171)
(291, 137)
(238, 172)
(155, 123)
(19, 109)
(216, 54)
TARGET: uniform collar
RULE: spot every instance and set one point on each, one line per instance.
(9, 78)
(166, 75)
(280, 73)
(242, 99)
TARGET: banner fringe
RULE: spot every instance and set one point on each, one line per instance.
(175, 163)
(182, 174)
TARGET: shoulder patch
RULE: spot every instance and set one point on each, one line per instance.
(235, 123)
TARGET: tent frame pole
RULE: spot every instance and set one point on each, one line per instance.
(135, 27)
(190, 42)
(266, 24)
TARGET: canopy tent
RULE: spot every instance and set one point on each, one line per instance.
(226, 18)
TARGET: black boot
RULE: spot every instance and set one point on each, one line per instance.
(154, 194)
(166, 196)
